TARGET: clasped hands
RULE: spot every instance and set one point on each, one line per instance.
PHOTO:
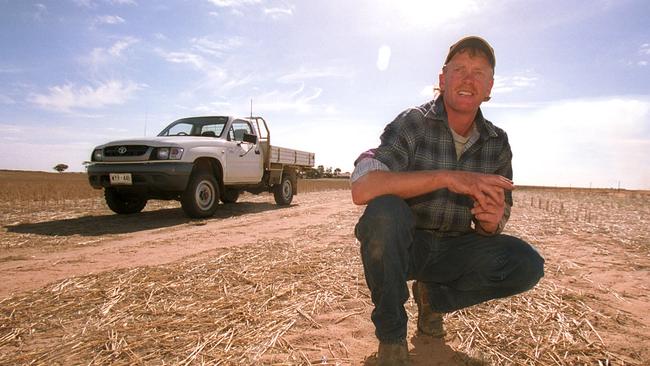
(488, 193)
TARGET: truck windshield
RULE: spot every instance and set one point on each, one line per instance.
(196, 126)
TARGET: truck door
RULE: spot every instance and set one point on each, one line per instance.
(244, 164)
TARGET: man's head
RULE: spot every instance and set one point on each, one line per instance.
(468, 74)
(472, 44)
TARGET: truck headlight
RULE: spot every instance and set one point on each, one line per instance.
(169, 153)
(163, 153)
(98, 155)
(175, 153)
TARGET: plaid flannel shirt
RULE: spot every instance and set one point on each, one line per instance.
(420, 139)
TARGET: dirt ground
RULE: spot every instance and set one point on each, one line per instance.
(260, 284)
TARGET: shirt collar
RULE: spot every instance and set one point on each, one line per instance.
(435, 109)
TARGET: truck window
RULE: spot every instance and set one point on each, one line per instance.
(182, 128)
(211, 130)
(238, 129)
(196, 126)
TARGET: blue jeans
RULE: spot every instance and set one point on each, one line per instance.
(459, 271)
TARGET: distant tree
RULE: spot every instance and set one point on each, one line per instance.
(321, 171)
(337, 171)
(60, 167)
(311, 173)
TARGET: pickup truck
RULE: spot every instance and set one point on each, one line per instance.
(199, 161)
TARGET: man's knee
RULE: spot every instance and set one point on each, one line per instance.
(387, 207)
(385, 220)
(530, 264)
(385, 213)
(536, 266)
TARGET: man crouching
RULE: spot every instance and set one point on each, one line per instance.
(438, 194)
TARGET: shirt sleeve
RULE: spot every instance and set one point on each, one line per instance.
(399, 141)
(365, 166)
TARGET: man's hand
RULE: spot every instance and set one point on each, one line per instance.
(485, 189)
(488, 193)
(490, 216)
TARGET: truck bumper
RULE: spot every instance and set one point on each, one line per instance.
(149, 176)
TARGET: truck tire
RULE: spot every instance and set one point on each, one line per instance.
(230, 195)
(124, 203)
(201, 197)
(283, 192)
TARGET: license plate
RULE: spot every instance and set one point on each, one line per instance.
(120, 179)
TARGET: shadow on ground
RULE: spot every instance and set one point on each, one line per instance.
(428, 351)
(121, 224)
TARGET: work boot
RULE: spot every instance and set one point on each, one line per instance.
(429, 321)
(393, 354)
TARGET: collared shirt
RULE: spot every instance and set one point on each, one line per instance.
(462, 143)
(420, 139)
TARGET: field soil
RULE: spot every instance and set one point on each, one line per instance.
(262, 284)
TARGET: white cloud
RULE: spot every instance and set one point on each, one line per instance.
(298, 100)
(214, 78)
(407, 15)
(123, 2)
(100, 55)
(93, 3)
(235, 6)
(304, 73)
(41, 11)
(578, 142)
(215, 48)
(4, 99)
(9, 70)
(69, 97)
(277, 13)
(508, 84)
(222, 108)
(237, 12)
(193, 59)
(233, 3)
(7, 129)
(109, 19)
(84, 3)
(645, 49)
(119, 46)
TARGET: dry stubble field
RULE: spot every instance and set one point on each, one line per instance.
(258, 284)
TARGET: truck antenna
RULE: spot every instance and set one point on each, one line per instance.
(146, 117)
(251, 108)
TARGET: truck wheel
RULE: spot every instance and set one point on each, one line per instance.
(201, 196)
(283, 192)
(230, 195)
(124, 203)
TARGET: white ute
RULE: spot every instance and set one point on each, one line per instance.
(199, 161)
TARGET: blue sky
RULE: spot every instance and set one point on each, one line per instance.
(572, 85)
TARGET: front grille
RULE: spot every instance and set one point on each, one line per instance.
(125, 150)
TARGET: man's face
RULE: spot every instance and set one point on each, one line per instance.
(466, 81)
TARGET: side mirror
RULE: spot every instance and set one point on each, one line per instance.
(250, 138)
